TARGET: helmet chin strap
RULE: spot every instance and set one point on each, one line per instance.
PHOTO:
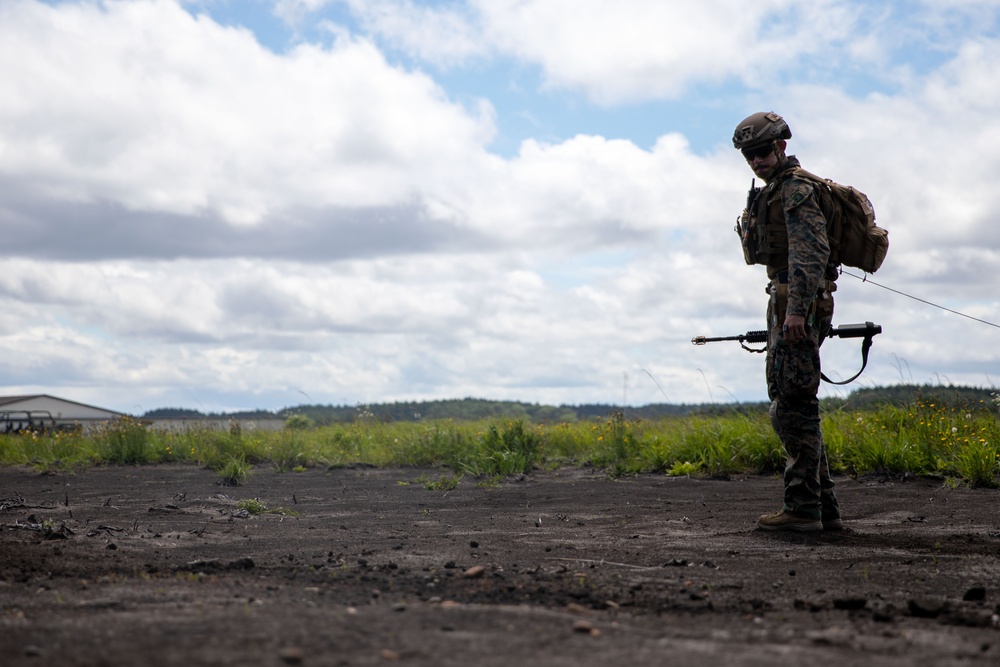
(778, 164)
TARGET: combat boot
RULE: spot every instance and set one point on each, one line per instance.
(833, 523)
(784, 521)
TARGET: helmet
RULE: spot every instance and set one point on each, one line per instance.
(759, 129)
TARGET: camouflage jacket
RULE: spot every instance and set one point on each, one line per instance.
(791, 203)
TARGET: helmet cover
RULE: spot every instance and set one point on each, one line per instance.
(760, 129)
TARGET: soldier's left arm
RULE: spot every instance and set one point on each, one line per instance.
(808, 245)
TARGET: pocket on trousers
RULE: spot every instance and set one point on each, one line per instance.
(796, 367)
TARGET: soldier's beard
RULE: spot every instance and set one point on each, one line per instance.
(778, 164)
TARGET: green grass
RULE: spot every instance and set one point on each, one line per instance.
(959, 444)
(255, 506)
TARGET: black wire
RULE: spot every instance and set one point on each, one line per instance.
(910, 296)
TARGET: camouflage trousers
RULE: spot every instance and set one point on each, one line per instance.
(793, 377)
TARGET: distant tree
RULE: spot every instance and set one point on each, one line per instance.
(173, 413)
(470, 409)
(298, 422)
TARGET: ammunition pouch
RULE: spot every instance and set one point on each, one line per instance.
(750, 230)
(748, 238)
(820, 309)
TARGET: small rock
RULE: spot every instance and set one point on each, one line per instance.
(474, 572)
(970, 619)
(883, 615)
(474, 544)
(389, 654)
(975, 594)
(201, 565)
(850, 604)
(926, 608)
(244, 563)
(583, 626)
(292, 656)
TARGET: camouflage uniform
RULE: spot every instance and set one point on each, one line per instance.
(802, 285)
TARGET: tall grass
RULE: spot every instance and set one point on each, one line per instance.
(960, 443)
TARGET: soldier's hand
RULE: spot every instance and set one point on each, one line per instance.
(794, 328)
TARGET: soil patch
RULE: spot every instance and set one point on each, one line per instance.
(160, 565)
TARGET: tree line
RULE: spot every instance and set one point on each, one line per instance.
(471, 409)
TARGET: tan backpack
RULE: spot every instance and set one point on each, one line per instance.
(855, 239)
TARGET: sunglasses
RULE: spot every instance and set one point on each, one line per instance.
(760, 151)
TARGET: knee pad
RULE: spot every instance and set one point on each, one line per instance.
(772, 412)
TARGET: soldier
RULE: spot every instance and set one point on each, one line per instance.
(784, 229)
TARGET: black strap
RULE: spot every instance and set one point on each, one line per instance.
(865, 346)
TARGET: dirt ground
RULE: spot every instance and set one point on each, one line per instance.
(158, 565)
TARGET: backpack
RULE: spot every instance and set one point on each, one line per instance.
(855, 239)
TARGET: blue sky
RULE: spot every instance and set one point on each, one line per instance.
(224, 205)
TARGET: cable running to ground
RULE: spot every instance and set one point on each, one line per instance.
(915, 298)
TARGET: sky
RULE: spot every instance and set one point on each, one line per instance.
(254, 204)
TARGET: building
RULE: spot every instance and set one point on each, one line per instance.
(41, 411)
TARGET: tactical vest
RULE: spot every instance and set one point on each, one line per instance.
(762, 229)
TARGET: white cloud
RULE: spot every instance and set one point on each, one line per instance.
(444, 35)
(142, 104)
(295, 11)
(616, 50)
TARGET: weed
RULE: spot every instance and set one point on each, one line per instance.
(441, 484)
(977, 463)
(504, 449)
(235, 471)
(299, 422)
(952, 482)
(124, 441)
(252, 505)
(255, 506)
(683, 469)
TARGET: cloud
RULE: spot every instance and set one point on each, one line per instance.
(616, 51)
(146, 106)
(445, 35)
(68, 231)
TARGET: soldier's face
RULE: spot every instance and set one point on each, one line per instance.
(763, 161)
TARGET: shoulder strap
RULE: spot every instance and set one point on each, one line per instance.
(865, 346)
(808, 175)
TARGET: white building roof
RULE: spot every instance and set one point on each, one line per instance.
(60, 408)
